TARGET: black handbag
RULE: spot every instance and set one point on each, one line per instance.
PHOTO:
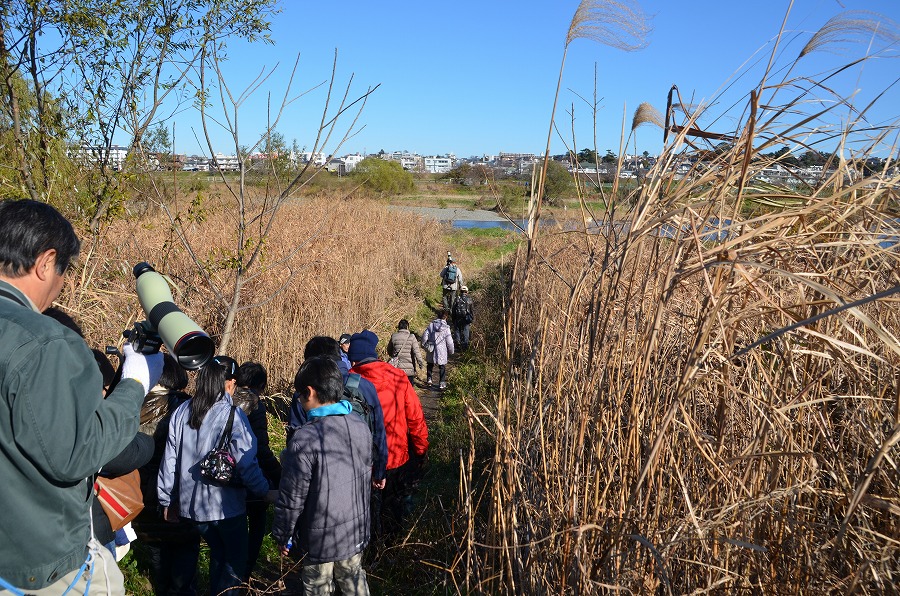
(219, 466)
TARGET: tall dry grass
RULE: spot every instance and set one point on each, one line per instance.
(361, 266)
(644, 444)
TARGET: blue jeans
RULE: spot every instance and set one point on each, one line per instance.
(227, 540)
(462, 334)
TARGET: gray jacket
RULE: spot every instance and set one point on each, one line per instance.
(405, 346)
(179, 471)
(323, 501)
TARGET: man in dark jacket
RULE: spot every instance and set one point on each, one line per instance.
(463, 315)
(56, 429)
(323, 500)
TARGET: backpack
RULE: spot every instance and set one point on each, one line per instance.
(358, 403)
(450, 273)
(461, 310)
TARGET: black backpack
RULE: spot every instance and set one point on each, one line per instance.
(358, 403)
(461, 309)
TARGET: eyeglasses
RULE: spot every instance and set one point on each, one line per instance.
(229, 365)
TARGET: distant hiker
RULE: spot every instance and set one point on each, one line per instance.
(463, 315)
(251, 383)
(438, 342)
(56, 429)
(407, 434)
(169, 550)
(344, 342)
(220, 512)
(403, 348)
(363, 398)
(451, 282)
(323, 501)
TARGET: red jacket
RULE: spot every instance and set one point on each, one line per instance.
(403, 417)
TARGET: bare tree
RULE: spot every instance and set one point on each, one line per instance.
(256, 216)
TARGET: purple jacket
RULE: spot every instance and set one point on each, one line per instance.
(438, 331)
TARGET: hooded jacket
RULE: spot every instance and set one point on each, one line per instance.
(438, 331)
(323, 499)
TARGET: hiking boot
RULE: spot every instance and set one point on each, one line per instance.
(443, 386)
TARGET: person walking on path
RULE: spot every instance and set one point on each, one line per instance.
(451, 282)
(404, 347)
(438, 342)
(463, 315)
(56, 428)
(323, 502)
(404, 422)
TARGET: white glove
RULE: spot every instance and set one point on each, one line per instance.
(143, 368)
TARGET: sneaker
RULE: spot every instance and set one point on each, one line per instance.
(443, 386)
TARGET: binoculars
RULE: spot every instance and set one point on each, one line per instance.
(166, 323)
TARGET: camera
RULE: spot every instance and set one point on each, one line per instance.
(166, 323)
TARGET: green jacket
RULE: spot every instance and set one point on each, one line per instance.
(56, 431)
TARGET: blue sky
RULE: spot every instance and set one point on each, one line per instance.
(474, 78)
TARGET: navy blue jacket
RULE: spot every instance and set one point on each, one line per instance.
(370, 394)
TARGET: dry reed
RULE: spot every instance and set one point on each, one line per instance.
(640, 447)
(361, 267)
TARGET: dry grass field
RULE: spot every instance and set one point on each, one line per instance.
(359, 266)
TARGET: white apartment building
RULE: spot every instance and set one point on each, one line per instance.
(226, 163)
(438, 165)
(93, 155)
(317, 158)
(351, 161)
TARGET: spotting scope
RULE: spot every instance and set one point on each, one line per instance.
(184, 339)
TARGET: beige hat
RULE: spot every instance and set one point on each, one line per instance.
(464, 289)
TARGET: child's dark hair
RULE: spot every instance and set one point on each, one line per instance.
(322, 374)
(252, 375)
(173, 376)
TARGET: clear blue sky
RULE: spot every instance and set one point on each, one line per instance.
(475, 78)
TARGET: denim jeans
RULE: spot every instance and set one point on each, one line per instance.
(227, 540)
(348, 574)
(461, 335)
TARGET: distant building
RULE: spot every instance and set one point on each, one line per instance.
(438, 165)
(351, 161)
(317, 159)
(114, 158)
(225, 163)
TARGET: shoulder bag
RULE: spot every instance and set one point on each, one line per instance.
(219, 466)
(120, 497)
(395, 359)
